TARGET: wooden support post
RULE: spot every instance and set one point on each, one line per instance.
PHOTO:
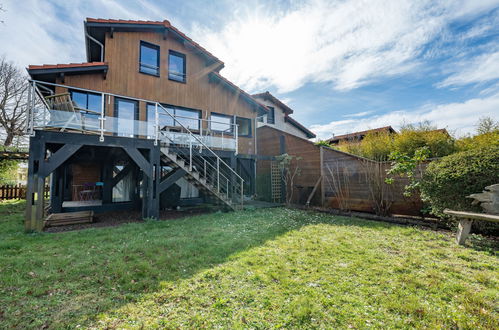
(36, 185)
(463, 230)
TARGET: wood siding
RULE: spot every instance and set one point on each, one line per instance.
(124, 78)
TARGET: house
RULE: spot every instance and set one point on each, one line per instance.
(356, 137)
(279, 116)
(146, 122)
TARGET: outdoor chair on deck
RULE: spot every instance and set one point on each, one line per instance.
(64, 114)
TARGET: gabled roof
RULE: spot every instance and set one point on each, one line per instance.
(96, 26)
(302, 128)
(361, 134)
(269, 97)
(69, 65)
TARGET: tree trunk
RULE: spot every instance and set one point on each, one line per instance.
(8, 139)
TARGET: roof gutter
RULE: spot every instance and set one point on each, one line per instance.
(97, 42)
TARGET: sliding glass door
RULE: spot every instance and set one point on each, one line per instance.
(127, 116)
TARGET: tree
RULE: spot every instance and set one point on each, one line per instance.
(13, 100)
(487, 125)
(288, 166)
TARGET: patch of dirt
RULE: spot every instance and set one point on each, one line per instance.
(117, 218)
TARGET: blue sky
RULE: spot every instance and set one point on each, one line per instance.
(341, 65)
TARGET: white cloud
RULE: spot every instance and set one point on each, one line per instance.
(459, 118)
(359, 114)
(479, 69)
(348, 43)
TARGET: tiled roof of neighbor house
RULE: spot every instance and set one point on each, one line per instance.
(166, 24)
(63, 66)
(243, 93)
(302, 128)
(387, 129)
(269, 97)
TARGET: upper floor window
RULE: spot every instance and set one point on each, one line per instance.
(243, 126)
(176, 66)
(221, 123)
(149, 58)
(183, 116)
(271, 116)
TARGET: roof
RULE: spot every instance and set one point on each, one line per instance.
(217, 76)
(269, 97)
(49, 72)
(69, 65)
(128, 25)
(302, 128)
(388, 129)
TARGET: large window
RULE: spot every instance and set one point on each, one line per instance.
(91, 102)
(149, 58)
(271, 116)
(187, 117)
(176, 66)
(127, 116)
(221, 123)
(243, 126)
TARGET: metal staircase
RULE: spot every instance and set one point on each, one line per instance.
(204, 168)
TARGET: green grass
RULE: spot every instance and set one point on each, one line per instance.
(253, 269)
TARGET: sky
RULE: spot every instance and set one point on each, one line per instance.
(343, 66)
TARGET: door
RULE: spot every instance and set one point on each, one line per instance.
(127, 116)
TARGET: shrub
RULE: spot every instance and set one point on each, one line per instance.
(448, 181)
(322, 143)
(412, 138)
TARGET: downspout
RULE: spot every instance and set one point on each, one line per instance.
(97, 42)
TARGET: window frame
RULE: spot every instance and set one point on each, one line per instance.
(231, 132)
(116, 114)
(271, 110)
(174, 109)
(152, 46)
(250, 134)
(178, 54)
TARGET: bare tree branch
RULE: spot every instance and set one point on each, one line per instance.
(13, 100)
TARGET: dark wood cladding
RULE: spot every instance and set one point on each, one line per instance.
(351, 172)
(199, 92)
(269, 144)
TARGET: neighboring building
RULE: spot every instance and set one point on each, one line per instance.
(148, 112)
(278, 116)
(359, 136)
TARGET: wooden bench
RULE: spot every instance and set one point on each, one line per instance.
(69, 218)
(488, 200)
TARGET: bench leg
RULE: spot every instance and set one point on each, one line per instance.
(463, 230)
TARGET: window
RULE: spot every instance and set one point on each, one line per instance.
(244, 126)
(127, 116)
(149, 59)
(176, 66)
(221, 123)
(188, 117)
(164, 119)
(91, 102)
(271, 116)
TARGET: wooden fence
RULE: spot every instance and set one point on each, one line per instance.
(17, 192)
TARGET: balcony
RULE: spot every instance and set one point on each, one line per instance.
(51, 109)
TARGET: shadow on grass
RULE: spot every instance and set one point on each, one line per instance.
(64, 279)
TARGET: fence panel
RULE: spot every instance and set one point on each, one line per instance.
(17, 192)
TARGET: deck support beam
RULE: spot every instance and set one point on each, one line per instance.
(171, 179)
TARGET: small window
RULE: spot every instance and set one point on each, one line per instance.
(271, 116)
(243, 126)
(221, 123)
(149, 59)
(176, 66)
(164, 119)
(187, 117)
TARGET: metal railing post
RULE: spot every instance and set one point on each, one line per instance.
(218, 174)
(156, 124)
(102, 118)
(190, 155)
(205, 170)
(29, 109)
(237, 137)
(242, 191)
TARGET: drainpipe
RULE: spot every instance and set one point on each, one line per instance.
(98, 43)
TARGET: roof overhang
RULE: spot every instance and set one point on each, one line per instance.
(97, 28)
(299, 126)
(51, 72)
(271, 98)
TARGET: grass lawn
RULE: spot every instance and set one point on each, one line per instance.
(253, 269)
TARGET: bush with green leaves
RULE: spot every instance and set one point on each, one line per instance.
(447, 181)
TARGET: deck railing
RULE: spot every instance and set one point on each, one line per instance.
(48, 116)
